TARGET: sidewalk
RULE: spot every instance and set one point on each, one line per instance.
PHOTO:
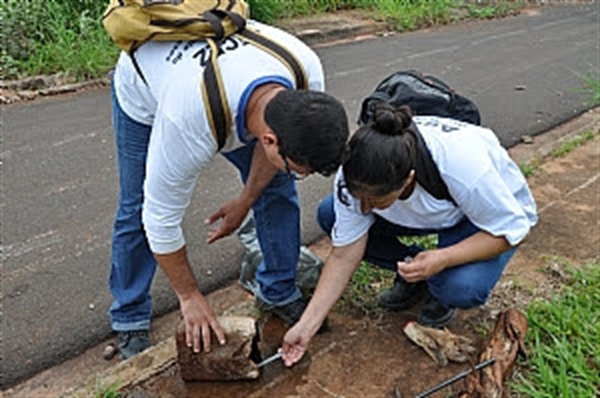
(363, 356)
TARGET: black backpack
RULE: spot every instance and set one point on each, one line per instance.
(426, 95)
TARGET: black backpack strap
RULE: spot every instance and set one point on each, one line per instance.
(213, 91)
(215, 99)
(427, 173)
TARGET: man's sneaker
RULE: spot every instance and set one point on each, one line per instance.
(436, 315)
(402, 295)
(133, 342)
(290, 313)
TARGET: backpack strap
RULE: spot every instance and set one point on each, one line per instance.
(212, 86)
(215, 99)
(213, 91)
(427, 172)
(279, 52)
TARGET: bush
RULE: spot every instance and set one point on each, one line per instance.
(46, 36)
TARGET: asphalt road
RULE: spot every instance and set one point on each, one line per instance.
(59, 180)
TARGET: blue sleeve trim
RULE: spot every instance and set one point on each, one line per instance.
(241, 114)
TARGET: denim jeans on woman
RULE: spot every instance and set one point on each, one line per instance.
(276, 213)
(464, 286)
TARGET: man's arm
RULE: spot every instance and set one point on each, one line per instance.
(197, 312)
(338, 269)
(233, 212)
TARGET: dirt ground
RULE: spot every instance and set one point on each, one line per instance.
(371, 357)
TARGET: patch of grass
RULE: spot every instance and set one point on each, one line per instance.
(491, 10)
(43, 37)
(406, 15)
(530, 168)
(360, 296)
(571, 144)
(369, 280)
(591, 87)
(563, 336)
(106, 391)
(427, 242)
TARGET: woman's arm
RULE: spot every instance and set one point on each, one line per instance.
(338, 269)
(479, 246)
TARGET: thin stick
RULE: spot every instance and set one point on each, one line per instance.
(456, 378)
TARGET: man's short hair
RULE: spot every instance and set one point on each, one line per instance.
(311, 128)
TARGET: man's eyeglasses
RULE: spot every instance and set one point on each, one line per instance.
(292, 175)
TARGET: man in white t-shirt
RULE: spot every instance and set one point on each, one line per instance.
(164, 142)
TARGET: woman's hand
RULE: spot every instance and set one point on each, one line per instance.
(479, 246)
(423, 266)
(295, 344)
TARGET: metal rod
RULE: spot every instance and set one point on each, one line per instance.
(456, 378)
(270, 359)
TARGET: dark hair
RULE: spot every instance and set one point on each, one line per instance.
(382, 152)
(311, 128)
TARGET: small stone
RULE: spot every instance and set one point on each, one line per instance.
(209, 272)
(109, 352)
(527, 139)
(92, 306)
(520, 87)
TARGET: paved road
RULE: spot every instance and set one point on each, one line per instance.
(59, 182)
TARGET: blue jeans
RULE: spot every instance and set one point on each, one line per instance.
(464, 286)
(276, 212)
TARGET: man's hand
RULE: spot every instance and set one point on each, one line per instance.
(423, 266)
(199, 322)
(295, 344)
(197, 313)
(231, 215)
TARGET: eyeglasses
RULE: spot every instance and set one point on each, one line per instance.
(292, 175)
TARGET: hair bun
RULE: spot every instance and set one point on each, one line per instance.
(390, 120)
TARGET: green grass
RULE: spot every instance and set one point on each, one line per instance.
(570, 145)
(360, 296)
(44, 37)
(530, 168)
(562, 340)
(101, 391)
(591, 87)
(50, 36)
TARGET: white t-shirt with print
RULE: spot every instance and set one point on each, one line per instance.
(181, 142)
(486, 184)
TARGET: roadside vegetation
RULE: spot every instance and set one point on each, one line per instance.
(531, 167)
(562, 340)
(50, 36)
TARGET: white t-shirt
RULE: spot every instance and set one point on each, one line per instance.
(486, 184)
(181, 142)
